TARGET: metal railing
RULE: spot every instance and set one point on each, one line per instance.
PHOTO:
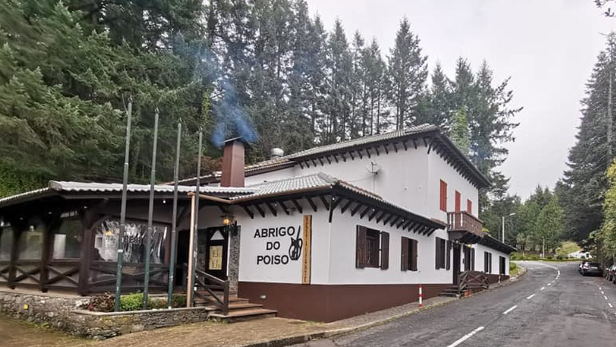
(464, 221)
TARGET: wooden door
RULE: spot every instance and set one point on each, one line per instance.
(456, 263)
(216, 252)
(457, 209)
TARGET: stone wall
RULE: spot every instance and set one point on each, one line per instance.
(63, 313)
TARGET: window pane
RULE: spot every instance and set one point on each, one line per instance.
(6, 242)
(31, 241)
(67, 240)
(106, 242)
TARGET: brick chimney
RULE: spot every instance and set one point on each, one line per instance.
(233, 163)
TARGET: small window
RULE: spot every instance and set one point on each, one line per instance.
(501, 262)
(408, 255)
(31, 240)
(469, 206)
(372, 248)
(67, 239)
(443, 199)
(6, 243)
(487, 262)
(440, 253)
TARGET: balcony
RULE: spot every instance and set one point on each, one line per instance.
(464, 227)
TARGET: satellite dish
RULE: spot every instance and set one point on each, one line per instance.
(373, 168)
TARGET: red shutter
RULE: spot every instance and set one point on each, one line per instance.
(443, 198)
(404, 254)
(458, 201)
(384, 250)
(413, 255)
(469, 206)
(360, 247)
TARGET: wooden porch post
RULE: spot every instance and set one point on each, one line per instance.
(86, 254)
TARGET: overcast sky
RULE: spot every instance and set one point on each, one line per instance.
(547, 47)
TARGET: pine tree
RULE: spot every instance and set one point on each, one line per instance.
(407, 71)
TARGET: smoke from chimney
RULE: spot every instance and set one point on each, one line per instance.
(233, 163)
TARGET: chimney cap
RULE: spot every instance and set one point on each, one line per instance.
(233, 139)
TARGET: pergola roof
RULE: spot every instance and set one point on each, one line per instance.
(56, 188)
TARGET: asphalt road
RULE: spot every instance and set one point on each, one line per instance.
(552, 306)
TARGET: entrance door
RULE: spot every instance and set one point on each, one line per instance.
(456, 263)
(216, 252)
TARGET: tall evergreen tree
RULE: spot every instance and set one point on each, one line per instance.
(407, 71)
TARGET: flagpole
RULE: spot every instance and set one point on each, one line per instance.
(148, 236)
(120, 251)
(174, 218)
(195, 230)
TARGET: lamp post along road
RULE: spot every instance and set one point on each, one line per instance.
(503, 226)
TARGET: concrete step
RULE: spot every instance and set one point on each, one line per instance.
(241, 315)
(234, 306)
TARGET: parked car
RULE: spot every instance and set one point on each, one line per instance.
(589, 268)
(581, 265)
(610, 274)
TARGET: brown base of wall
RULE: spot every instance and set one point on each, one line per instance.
(328, 303)
(497, 278)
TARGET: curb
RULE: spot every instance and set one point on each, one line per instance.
(292, 340)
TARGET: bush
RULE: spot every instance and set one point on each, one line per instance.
(512, 266)
(100, 303)
(131, 302)
(178, 301)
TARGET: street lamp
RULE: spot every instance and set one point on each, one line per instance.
(503, 219)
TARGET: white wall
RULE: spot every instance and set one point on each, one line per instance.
(254, 248)
(479, 259)
(409, 179)
(343, 243)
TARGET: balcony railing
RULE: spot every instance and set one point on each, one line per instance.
(464, 221)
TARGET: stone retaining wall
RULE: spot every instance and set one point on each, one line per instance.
(63, 313)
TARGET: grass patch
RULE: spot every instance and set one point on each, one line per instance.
(513, 269)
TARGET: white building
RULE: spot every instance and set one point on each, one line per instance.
(344, 229)
(324, 234)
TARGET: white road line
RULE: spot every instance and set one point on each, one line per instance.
(530, 297)
(600, 288)
(549, 284)
(602, 293)
(511, 309)
(605, 297)
(610, 304)
(466, 337)
(542, 288)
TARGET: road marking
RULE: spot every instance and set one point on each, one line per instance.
(610, 304)
(466, 337)
(602, 292)
(600, 288)
(530, 297)
(549, 284)
(605, 297)
(542, 288)
(511, 309)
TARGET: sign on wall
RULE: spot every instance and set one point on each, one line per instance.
(306, 259)
(283, 245)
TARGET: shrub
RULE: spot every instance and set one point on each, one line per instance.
(512, 266)
(178, 301)
(100, 303)
(157, 303)
(131, 302)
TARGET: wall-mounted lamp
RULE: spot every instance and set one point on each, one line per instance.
(227, 219)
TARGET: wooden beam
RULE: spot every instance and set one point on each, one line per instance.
(415, 143)
(260, 210)
(248, 212)
(363, 213)
(354, 211)
(325, 203)
(271, 208)
(395, 147)
(351, 154)
(343, 156)
(334, 204)
(359, 154)
(385, 148)
(373, 214)
(378, 220)
(406, 224)
(314, 162)
(393, 221)
(284, 207)
(406, 148)
(297, 205)
(329, 161)
(321, 161)
(312, 204)
(335, 158)
(376, 149)
(344, 208)
(368, 152)
(387, 219)
(403, 221)
(301, 165)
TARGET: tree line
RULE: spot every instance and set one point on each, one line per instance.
(264, 69)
